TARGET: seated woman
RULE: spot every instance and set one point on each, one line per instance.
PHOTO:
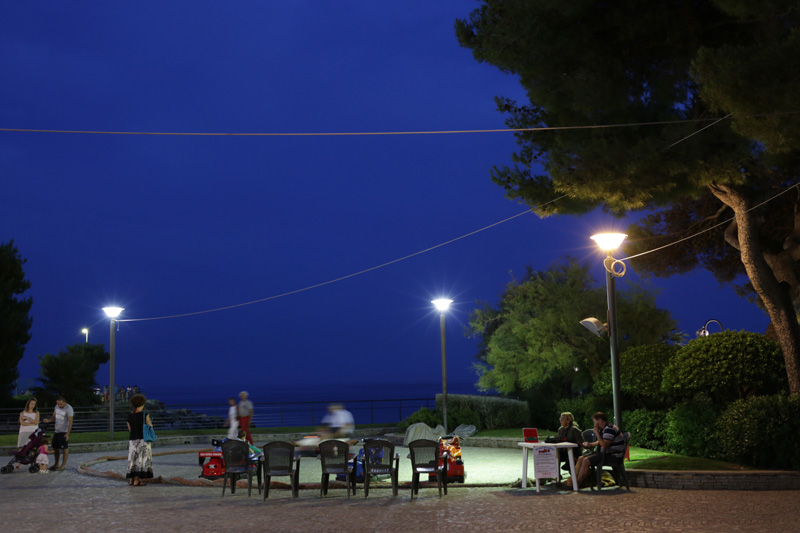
(609, 438)
(568, 432)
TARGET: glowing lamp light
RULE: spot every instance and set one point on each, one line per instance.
(442, 304)
(608, 242)
(113, 312)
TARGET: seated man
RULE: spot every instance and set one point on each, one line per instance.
(609, 438)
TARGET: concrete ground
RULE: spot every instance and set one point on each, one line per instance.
(98, 499)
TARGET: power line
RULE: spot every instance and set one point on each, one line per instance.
(342, 278)
(355, 134)
(709, 229)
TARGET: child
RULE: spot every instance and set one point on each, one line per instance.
(254, 452)
(43, 460)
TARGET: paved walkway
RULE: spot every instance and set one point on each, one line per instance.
(69, 501)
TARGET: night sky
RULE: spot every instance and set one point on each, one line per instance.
(170, 225)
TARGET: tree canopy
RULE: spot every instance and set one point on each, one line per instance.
(533, 335)
(688, 106)
(71, 373)
(15, 321)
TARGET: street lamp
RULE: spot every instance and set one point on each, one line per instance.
(112, 313)
(85, 331)
(703, 332)
(442, 304)
(608, 242)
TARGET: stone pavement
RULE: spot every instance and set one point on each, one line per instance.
(70, 501)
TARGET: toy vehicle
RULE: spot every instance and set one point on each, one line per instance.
(450, 446)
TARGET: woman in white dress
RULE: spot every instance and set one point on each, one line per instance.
(28, 422)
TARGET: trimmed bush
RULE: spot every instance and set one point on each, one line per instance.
(493, 412)
(760, 432)
(726, 366)
(646, 428)
(641, 373)
(689, 427)
(461, 416)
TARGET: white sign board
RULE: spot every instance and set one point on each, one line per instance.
(545, 462)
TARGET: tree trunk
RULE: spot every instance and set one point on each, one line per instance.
(775, 296)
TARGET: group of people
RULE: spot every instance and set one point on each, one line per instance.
(608, 437)
(63, 415)
(239, 417)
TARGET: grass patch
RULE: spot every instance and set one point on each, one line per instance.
(641, 458)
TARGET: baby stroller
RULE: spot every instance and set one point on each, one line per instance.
(27, 455)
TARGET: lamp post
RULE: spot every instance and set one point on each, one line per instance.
(608, 242)
(85, 331)
(112, 313)
(703, 332)
(442, 305)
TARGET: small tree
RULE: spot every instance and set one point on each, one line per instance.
(71, 373)
(726, 366)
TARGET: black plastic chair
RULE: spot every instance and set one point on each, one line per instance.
(380, 459)
(279, 460)
(334, 455)
(616, 462)
(236, 455)
(425, 460)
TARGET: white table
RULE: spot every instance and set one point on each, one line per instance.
(532, 445)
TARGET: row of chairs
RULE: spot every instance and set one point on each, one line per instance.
(281, 459)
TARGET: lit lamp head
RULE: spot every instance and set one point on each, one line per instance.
(85, 331)
(608, 242)
(442, 304)
(113, 312)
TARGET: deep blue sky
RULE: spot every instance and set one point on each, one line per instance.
(165, 225)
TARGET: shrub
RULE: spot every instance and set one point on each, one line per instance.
(463, 416)
(760, 432)
(689, 427)
(641, 371)
(647, 428)
(424, 415)
(727, 366)
(493, 412)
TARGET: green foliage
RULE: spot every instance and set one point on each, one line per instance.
(424, 415)
(760, 432)
(534, 338)
(462, 416)
(493, 412)
(641, 373)
(71, 373)
(727, 366)
(689, 427)
(647, 428)
(647, 62)
(582, 410)
(15, 321)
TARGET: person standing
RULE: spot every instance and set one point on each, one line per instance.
(63, 415)
(28, 422)
(140, 452)
(233, 419)
(245, 411)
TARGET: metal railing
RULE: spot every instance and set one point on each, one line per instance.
(212, 416)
